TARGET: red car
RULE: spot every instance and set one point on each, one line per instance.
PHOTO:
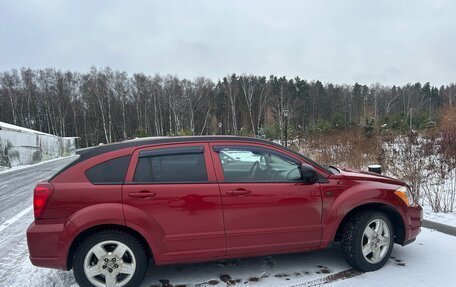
(194, 199)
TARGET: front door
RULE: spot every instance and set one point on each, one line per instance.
(267, 208)
(173, 191)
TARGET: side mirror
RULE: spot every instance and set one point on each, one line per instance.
(308, 174)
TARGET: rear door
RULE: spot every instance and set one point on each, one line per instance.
(175, 187)
(267, 208)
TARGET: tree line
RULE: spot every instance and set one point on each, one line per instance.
(104, 105)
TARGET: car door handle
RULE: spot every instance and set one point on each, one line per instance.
(142, 194)
(239, 191)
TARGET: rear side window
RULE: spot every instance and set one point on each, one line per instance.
(171, 165)
(109, 172)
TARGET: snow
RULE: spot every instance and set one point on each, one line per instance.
(15, 218)
(440, 217)
(6, 126)
(429, 261)
(26, 166)
(374, 166)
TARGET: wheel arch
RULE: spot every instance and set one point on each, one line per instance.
(391, 212)
(98, 228)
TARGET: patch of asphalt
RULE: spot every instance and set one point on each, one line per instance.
(444, 228)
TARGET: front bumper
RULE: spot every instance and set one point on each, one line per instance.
(414, 220)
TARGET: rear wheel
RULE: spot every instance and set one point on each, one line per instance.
(367, 240)
(110, 259)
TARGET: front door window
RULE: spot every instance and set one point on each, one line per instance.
(243, 164)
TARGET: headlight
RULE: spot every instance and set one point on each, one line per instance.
(406, 195)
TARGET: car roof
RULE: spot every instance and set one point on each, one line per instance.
(104, 148)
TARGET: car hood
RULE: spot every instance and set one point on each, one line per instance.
(357, 174)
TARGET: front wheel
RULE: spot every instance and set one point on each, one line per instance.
(110, 259)
(367, 240)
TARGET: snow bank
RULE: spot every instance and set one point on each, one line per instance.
(21, 146)
(439, 217)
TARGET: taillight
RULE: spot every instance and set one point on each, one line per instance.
(43, 191)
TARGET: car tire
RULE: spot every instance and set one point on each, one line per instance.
(367, 240)
(110, 258)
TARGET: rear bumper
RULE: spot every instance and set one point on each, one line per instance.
(414, 220)
(46, 245)
(49, 262)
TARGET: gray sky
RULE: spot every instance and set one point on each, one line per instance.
(390, 42)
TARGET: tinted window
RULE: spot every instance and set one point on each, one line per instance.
(257, 165)
(187, 166)
(109, 172)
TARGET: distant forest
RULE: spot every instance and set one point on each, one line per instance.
(104, 106)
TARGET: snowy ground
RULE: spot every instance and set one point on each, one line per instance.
(428, 261)
(444, 218)
(6, 170)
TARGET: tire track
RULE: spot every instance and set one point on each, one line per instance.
(15, 218)
(350, 273)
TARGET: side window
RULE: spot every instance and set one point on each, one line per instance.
(244, 164)
(171, 165)
(109, 172)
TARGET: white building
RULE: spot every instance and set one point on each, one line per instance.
(19, 146)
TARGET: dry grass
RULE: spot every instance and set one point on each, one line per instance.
(448, 118)
(425, 160)
(343, 148)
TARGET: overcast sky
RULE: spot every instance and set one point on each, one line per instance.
(389, 42)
